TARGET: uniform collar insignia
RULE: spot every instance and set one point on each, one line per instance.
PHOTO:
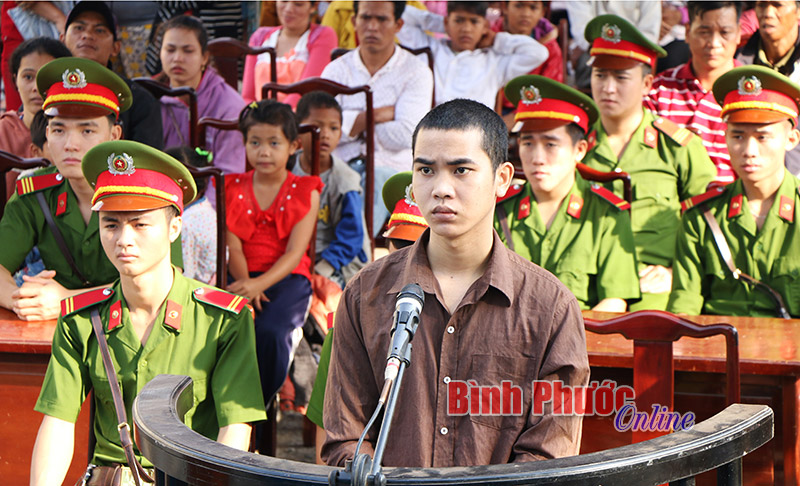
(529, 95)
(749, 86)
(121, 164)
(74, 79)
(611, 33)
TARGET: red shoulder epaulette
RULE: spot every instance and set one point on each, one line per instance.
(591, 139)
(673, 130)
(84, 300)
(609, 196)
(219, 298)
(512, 191)
(701, 198)
(27, 185)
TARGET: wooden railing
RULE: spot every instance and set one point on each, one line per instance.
(179, 453)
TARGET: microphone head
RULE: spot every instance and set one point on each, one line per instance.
(413, 291)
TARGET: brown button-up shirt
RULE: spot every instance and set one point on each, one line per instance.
(517, 323)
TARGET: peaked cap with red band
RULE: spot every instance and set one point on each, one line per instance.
(757, 94)
(76, 87)
(618, 44)
(406, 221)
(132, 176)
(543, 104)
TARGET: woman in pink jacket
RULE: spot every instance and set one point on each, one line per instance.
(303, 50)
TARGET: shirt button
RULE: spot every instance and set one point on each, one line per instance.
(144, 362)
(294, 185)
(281, 208)
(451, 329)
(443, 430)
(241, 196)
(249, 211)
(446, 379)
(237, 179)
(288, 197)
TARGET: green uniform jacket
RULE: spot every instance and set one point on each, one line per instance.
(663, 172)
(702, 282)
(592, 254)
(23, 224)
(213, 346)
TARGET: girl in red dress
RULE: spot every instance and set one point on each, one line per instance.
(271, 215)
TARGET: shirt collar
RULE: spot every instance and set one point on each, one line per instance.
(498, 274)
(170, 313)
(762, 56)
(386, 67)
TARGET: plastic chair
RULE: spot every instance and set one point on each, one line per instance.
(229, 52)
(334, 88)
(159, 89)
(653, 333)
(9, 161)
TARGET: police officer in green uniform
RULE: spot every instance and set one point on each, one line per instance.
(578, 231)
(757, 215)
(667, 164)
(82, 104)
(155, 321)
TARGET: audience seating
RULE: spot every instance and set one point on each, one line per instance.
(334, 88)
(653, 333)
(229, 52)
(159, 89)
(9, 161)
(215, 174)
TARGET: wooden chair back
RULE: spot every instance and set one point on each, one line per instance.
(8, 162)
(159, 89)
(653, 333)
(334, 88)
(563, 42)
(228, 53)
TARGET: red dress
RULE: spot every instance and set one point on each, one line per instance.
(265, 233)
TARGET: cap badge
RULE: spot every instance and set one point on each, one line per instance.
(74, 79)
(611, 33)
(410, 196)
(749, 86)
(120, 164)
(529, 95)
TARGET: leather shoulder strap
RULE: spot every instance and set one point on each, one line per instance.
(119, 405)
(62, 245)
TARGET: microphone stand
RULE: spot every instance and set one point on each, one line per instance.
(383, 435)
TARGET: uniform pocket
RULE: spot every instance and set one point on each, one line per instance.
(576, 277)
(785, 279)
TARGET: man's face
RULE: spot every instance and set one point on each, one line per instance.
(757, 150)
(68, 140)
(376, 26)
(26, 80)
(713, 37)
(549, 158)
(619, 92)
(776, 20)
(328, 120)
(89, 37)
(454, 183)
(522, 17)
(138, 241)
(465, 30)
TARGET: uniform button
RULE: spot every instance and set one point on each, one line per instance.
(59, 177)
(443, 431)
(451, 329)
(144, 362)
(446, 379)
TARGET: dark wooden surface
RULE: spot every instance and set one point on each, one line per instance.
(770, 367)
(24, 354)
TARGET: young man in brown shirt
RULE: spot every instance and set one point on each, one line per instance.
(489, 316)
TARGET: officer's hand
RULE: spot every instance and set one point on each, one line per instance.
(250, 288)
(655, 279)
(39, 297)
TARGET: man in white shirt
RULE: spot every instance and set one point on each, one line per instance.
(402, 87)
(475, 63)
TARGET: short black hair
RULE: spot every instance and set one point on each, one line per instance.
(318, 100)
(697, 9)
(192, 158)
(40, 45)
(576, 133)
(399, 8)
(462, 114)
(477, 8)
(191, 23)
(39, 129)
(270, 112)
(172, 212)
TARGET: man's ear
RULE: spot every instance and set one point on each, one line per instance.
(792, 139)
(116, 132)
(580, 149)
(116, 47)
(503, 177)
(175, 227)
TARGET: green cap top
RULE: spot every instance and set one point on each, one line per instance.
(618, 44)
(79, 87)
(756, 94)
(543, 103)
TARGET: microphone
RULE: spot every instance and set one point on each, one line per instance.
(404, 325)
